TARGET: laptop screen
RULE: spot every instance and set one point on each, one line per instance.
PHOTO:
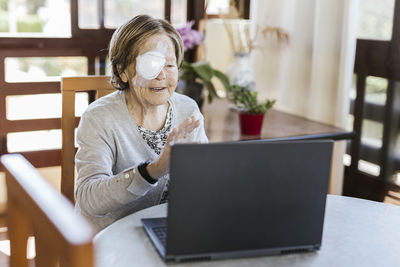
(247, 196)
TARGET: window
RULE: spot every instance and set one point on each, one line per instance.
(375, 19)
(35, 69)
(41, 106)
(117, 12)
(216, 7)
(35, 18)
(178, 13)
(88, 14)
(42, 40)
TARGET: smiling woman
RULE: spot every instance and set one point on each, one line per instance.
(41, 40)
(124, 138)
(156, 69)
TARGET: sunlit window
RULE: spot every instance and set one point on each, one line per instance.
(118, 12)
(369, 167)
(217, 7)
(346, 159)
(88, 12)
(376, 90)
(178, 12)
(372, 133)
(35, 18)
(35, 69)
(350, 122)
(375, 19)
(33, 140)
(41, 106)
(108, 67)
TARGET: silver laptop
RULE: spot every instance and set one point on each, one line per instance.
(243, 199)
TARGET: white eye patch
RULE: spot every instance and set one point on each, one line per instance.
(150, 64)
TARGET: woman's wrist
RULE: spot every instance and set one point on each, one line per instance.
(153, 170)
(142, 168)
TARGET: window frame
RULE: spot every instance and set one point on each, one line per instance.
(90, 43)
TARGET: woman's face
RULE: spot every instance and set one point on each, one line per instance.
(154, 91)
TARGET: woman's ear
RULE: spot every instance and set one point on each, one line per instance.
(124, 77)
(122, 74)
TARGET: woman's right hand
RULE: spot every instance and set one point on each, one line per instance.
(160, 167)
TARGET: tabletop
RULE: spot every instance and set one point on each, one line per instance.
(221, 123)
(357, 232)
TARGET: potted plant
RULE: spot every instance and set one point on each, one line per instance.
(193, 77)
(251, 111)
(197, 76)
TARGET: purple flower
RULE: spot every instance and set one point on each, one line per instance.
(190, 37)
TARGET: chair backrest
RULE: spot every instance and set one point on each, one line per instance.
(69, 86)
(34, 206)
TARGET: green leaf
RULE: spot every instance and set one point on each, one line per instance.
(204, 70)
(211, 91)
(223, 78)
(186, 65)
(247, 101)
(187, 74)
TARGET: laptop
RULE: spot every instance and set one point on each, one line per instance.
(243, 199)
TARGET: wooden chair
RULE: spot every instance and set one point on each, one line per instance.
(35, 207)
(69, 86)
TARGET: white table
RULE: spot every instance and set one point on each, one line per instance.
(357, 232)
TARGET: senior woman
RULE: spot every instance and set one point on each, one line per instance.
(124, 138)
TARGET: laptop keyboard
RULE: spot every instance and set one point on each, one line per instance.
(161, 233)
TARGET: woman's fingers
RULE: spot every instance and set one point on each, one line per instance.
(182, 127)
(194, 125)
(171, 137)
(191, 125)
(175, 136)
(186, 123)
(183, 130)
(188, 127)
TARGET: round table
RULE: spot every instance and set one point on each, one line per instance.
(357, 232)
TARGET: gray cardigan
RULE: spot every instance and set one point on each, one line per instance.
(108, 185)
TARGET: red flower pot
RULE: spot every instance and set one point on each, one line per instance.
(250, 124)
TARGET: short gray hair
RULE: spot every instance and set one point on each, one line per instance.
(129, 37)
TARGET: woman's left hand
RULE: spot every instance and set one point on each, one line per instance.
(160, 167)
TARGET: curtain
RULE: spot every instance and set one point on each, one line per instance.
(312, 75)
